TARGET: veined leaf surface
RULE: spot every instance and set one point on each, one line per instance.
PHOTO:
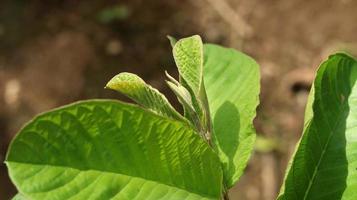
(325, 162)
(188, 55)
(232, 85)
(135, 88)
(18, 197)
(111, 150)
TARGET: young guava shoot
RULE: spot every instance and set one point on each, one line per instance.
(108, 149)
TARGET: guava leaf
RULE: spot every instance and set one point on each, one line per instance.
(172, 40)
(232, 86)
(135, 88)
(188, 55)
(184, 97)
(104, 149)
(19, 197)
(182, 94)
(325, 162)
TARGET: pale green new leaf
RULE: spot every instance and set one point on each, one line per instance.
(111, 150)
(184, 97)
(188, 55)
(19, 197)
(172, 40)
(232, 85)
(135, 88)
(325, 162)
(181, 93)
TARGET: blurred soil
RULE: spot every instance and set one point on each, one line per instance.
(54, 52)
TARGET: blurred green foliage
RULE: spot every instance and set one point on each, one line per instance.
(114, 13)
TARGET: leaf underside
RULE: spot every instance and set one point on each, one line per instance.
(232, 85)
(111, 150)
(121, 151)
(188, 57)
(325, 162)
(150, 98)
(18, 197)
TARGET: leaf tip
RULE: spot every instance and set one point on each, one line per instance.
(172, 40)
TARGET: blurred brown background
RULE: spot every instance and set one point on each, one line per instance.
(53, 52)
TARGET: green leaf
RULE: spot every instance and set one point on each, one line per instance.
(181, 93)
(188, 55)
(232, 85)
(111, 150)
(184, 97)
(113, 13)
(19, 197)
(325, 162)
(135, 88)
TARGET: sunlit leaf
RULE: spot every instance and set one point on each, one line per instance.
(232, 84)
(111, 150)
(19, 197)
(188, 55)
(135, 88)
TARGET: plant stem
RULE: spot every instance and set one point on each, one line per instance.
(225, 196)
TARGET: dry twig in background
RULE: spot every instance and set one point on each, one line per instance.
(231, 17)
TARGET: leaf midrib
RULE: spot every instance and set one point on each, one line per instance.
(311, 182)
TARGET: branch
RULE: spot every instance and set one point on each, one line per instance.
(231, 17)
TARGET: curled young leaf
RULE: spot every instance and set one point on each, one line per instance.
(184, 97)
(172, 40)
(135, 88)
(188, 55)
